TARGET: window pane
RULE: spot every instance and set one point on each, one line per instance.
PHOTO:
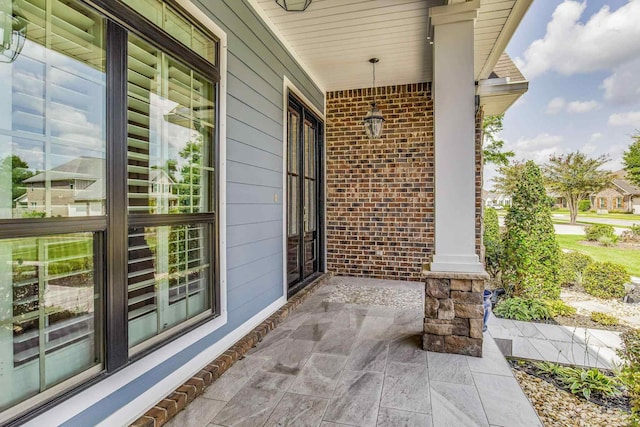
(167, 278)
(48, 311)
(175, 25)
(52, 118)
(170, 134)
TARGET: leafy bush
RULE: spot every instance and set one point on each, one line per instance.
(572, 265)
(630, 373)
(586, 381)
(522, 309)
(632, 235)
(531, 252)
(492, 242)
(607, 240)
(550, 368)
(595, 231)
(605, 280)
(584, 205)
(604, 319)
(560, 308)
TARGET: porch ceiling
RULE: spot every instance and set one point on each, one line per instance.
(333, 39)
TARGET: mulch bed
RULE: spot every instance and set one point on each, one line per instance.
(586, 322)
(617, 402)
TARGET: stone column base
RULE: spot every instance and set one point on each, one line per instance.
(453, 312)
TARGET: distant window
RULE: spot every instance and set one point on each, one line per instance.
(618, 202)
(602, 203)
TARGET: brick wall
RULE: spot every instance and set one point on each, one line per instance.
(380, 203)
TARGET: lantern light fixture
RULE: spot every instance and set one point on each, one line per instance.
(294, 5)
(13, 33)
(373, 120)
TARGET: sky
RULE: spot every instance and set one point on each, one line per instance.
(582, 60)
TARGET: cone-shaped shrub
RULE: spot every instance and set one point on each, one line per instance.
(531, 252)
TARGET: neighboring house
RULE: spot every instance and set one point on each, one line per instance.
(492, 199)
(621, 195)
(259, 112)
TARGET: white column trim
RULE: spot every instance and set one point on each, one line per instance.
(455, 133)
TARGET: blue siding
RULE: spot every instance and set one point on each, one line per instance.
(256, 63)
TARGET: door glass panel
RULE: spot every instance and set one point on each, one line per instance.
(48, 312)
(167, 278)
(170, 129)
(52, 118)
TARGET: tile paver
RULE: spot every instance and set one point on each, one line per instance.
(336, 364)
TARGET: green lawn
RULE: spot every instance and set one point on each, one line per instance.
(630, 217)
(630, 258)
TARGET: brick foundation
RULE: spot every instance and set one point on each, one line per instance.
(380, 193)
(453, 313)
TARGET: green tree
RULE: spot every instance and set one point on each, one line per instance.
(631, 159)
(189, 186)
(576, 176)
(492, 242)
(492, 148)
(508, 177)
(531, 252)
(19, 172)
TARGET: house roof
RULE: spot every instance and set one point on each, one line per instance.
(333, 39)
(626, 187)
(503, 87)
(87, 168)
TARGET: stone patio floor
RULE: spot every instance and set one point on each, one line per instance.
(360, 364)
(556, 343)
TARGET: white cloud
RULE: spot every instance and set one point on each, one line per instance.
(588, 148)
(537, 148)
(555, 105)
(632, 118)
(607, 40)
(623, 86)
(582, 106)
(595, 136)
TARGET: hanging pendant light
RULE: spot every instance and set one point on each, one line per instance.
(373, 120)
(294, 5)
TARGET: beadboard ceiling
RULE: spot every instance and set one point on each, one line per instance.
(334, 39)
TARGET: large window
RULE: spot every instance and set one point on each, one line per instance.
(107, 187)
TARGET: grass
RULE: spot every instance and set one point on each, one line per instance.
(629, 258)
(629, 217)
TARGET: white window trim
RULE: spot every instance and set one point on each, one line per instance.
(134, 409)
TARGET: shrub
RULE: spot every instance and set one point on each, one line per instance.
(632, 235)
(630, 373)
(607, 240)
(531, 252)
(584, 205)
(522, 309)
(605, 280)
(492, 242)
(595, 231)
(560, 308)
(586, 381)
(572, 265)
(604, 319)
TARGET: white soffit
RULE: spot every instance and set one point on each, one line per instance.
(333, 39)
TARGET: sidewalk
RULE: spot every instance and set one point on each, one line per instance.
(556, 343)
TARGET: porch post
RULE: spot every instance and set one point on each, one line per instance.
(454, 90)
(454, 286)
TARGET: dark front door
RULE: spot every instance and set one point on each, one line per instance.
(304, 143)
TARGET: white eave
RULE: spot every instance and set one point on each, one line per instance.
(333, 39)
